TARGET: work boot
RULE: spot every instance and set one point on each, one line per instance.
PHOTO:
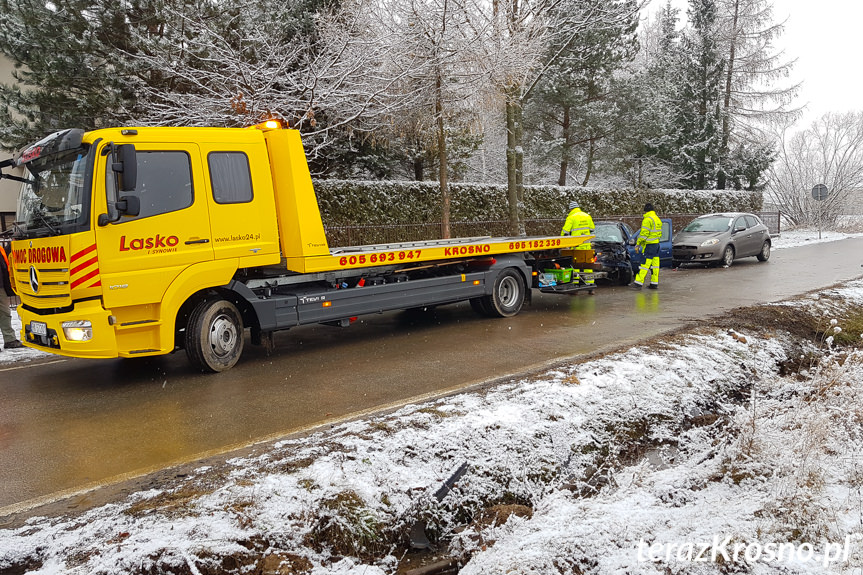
(634, 285)
(653, 286)
(14, 344)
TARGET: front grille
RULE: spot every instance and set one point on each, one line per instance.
(52, 286)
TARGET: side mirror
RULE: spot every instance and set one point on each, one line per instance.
(129, 205)
(126, 167)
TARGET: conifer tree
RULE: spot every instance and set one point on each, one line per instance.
(753, 90)
(647, 146)
(574, 109)
(67, 67)
(700, 112)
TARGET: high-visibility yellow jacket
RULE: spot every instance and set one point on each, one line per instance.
(651, 229)
(6, 284)
(578, 223)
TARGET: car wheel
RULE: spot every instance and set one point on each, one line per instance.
(764, 254)
(624, 277)
(727, 257)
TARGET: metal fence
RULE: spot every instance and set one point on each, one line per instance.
(386, 234)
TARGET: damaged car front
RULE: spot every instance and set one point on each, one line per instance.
(612, 254)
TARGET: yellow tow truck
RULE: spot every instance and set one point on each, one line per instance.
(141, 241)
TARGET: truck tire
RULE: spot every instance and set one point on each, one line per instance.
(214, 335)
(508, 295)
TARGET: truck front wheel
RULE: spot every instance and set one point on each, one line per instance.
(508, 295)
(214, 335)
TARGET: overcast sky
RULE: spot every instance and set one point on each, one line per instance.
(826, 39)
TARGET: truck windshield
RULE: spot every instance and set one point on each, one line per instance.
(54, 200)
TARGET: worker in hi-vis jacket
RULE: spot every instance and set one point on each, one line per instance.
(648, 243)
(579, 223)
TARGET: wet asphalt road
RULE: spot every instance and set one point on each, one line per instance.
(69, 424)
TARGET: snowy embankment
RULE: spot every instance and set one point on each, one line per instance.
(728, 450)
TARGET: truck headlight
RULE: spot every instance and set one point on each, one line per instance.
(710, 242)
(78, 330)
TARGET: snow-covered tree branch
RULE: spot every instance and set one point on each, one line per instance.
(829, 152)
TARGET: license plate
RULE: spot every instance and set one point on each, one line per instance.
(38, 328)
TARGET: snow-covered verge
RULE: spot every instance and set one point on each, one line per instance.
(801, 237)
(725, 444)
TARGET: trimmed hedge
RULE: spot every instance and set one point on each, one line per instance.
(345, 202)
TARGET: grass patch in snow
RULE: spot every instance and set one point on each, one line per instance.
(345, 525)
(178, 501)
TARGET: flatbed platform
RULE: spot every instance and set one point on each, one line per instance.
(427, 251)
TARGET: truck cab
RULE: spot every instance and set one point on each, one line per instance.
(108, 238)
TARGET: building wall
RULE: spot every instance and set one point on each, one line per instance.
(8, 188)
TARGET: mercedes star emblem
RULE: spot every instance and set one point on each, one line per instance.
(34, 280)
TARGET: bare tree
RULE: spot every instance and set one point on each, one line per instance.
(829, 152)
(239, 72)
(440, 42)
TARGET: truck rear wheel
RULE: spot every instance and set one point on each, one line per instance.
(214, 335)
(508, 295)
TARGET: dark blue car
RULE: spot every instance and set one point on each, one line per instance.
(664, 247)
(612, 256)
(614, 246)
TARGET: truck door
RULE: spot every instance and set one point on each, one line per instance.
(140, 256)
(241, 203)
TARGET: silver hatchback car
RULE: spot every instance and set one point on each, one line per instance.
(720, 239)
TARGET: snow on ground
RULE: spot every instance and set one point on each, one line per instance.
(718, 451)
(8, 356)
(802, 237)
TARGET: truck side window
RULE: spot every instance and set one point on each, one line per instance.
(164, 183)
(230, 177)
